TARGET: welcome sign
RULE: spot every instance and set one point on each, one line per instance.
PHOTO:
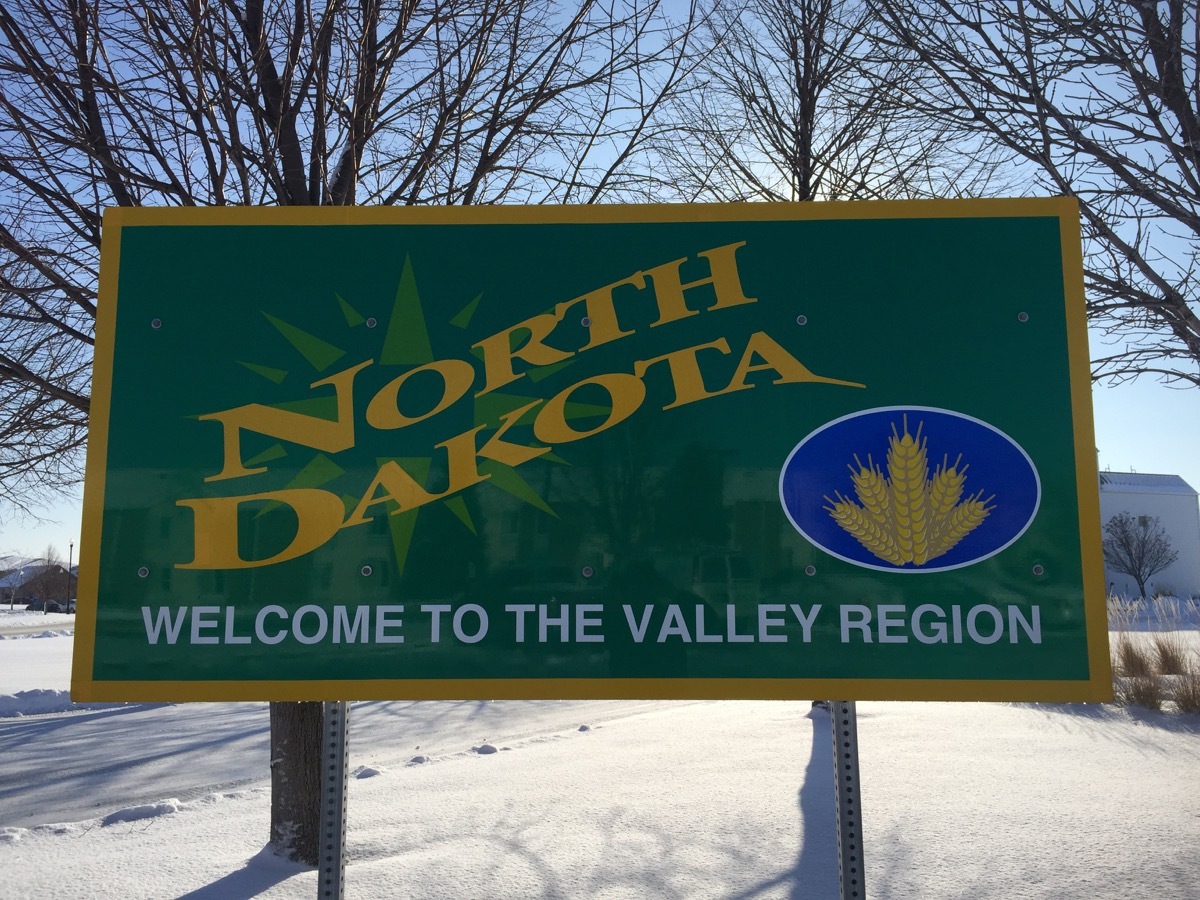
(757, 450)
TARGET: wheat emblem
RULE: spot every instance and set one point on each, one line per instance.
(908, 516)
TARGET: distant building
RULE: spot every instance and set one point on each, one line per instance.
(14, 573)
(10, 563)
(23, 580)
(1174, 503)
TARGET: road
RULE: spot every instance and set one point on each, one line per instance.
(48, 625)
(18, 621)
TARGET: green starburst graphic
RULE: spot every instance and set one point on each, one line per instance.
(405, 344)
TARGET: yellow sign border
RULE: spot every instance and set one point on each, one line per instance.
(1098, 686)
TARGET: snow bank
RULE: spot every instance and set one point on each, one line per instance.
(34, 703)
(24, 618)
(45, 634)
(138, 813)
(43, 703)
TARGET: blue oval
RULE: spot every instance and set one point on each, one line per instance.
(856, 488)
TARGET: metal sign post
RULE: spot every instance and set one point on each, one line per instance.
(335, 739)
(848, 794)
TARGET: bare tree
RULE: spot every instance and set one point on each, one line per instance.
(1137, 546)
(1100, 99)
(42, 586)
(51, 556)
(220, 102)
(796, 101)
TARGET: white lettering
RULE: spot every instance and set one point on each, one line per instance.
(1033, 630)
(480, 631)
(997, 624)
(162, 622)
(344, 629)
(701, 637)
(938, 634)
(584, 620)
(520, 609)
(891, 615)
(862, 622)
(435, 622)
(199, 623)
(230, 637)
(766, 620)
(260, 620)
(638, 629)
(805, 621)
(298, 628)
(383, 622)
(929, 623)
(562, 621)
(673, 626)
(731, 627)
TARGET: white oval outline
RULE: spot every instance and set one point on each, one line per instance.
(1037, 480)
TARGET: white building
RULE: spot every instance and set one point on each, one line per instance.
(1173, 502)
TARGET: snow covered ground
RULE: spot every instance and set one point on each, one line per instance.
(605, 800)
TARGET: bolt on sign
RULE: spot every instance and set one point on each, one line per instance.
(761, 451)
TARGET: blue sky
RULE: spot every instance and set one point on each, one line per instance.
(1143, 426)
(1149, 428)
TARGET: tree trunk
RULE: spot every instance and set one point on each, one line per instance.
(296, 780)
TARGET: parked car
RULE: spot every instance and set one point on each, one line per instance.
(54, 606)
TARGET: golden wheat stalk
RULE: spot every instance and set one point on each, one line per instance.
(908, 469)
(875, 538)
(872, 489)
(909, 517)
(964, 519)
(945, 490)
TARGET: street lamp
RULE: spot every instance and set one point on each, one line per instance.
(70, 558)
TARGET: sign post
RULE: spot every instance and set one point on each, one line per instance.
(757, 451)
(335, 764)
(848, 799)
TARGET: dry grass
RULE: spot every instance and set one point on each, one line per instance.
(1130, 658)
(1186, 693)
(1121, 613)
(1171, 653)
(1168, 613)
(1153, 669)
(1145, 691)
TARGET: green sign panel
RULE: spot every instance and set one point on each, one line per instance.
(666, 451)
